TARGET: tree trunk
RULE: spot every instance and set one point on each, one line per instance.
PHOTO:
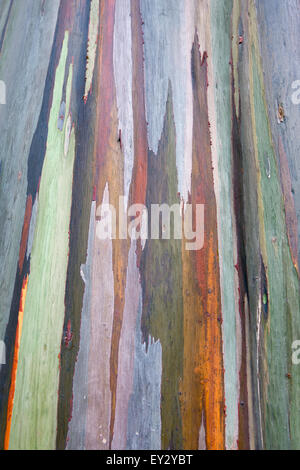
(130, 340)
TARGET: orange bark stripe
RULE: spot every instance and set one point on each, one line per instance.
(15, 363)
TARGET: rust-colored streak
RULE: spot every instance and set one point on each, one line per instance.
(213, 359)
(192, 385)
(207, 261)
(105, 97)
(15, 363)
(140, 167)
(139, 180)
(25, 231)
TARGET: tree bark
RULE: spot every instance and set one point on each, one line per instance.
(124, 343)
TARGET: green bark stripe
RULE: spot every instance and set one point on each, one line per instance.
(34, 418)
(282, 325)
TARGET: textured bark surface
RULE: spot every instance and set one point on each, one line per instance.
(119, 344)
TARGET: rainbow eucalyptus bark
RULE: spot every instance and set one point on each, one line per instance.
(131, 342)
